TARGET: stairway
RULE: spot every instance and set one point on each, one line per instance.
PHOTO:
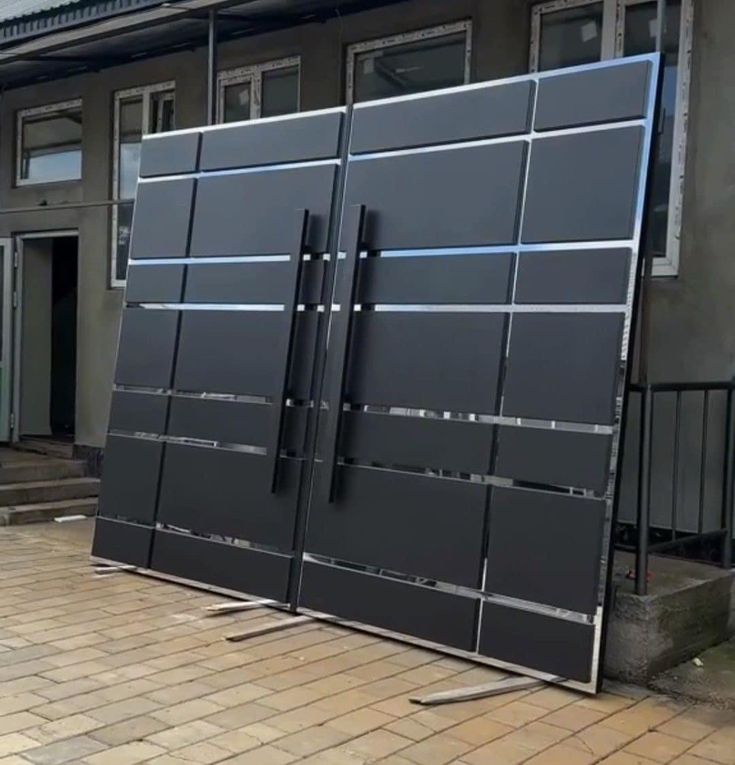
(38, 487)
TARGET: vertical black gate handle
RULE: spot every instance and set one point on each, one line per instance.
(340, 340)
(278, 405)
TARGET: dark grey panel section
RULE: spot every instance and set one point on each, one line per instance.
(161, 218)
(440, 361)
(138, 412)
(155, 284)
(216, 491)
(583, 187)
(222, 565)
(487, 112)
(130, 478)
(555, 457)
(419, 611)
(434, 279)
(607, 94)
(445, 198)
(554, 646)
(403, 522)
(169, 154)
(465, 447)
(573, 276)
(146, 351)
(252, 213)
(563, 367)
(122, 542)
(244, 283)
(233, 422)
(545, 548)
(237, 352)
(297, 139)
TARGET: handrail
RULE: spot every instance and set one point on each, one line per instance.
(702, 394)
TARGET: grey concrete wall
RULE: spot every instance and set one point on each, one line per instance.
(693, 315)
(693, 332)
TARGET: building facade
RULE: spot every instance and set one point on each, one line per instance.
(69, 147)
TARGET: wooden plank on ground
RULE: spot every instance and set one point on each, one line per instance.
(506, 685)
(234, 606)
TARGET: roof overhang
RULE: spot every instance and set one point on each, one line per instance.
(167, 28)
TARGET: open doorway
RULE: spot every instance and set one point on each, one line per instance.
(46, 336)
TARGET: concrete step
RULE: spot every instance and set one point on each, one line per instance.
(40, 512)
(61, 449)
(41, 469)
(33, 492)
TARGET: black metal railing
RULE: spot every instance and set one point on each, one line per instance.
(682, 480)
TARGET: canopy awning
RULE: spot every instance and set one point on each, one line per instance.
(166, 28)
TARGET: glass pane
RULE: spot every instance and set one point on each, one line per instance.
(570, 37)
(237, 102)
(124, 223)
(640, 37)
(52, 147)
(162, 117)
(280, 92)
(437, 62)
(131, 131)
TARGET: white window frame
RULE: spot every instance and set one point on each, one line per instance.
(613, 41)
(253, 74)
(393, 41)
(122, 95)
(48, 110)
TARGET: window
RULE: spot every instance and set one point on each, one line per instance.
(138, 112)
(263, 90)
(49, 145)
(409, 63)
(570, 32)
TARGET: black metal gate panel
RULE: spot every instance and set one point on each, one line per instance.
(372, 361)
(464, 477)
(215, 371)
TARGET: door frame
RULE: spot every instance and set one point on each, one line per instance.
(17, 302)
(8, 291)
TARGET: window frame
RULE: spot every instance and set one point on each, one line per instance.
(613, 40)
(253, 74)
(49, 110)
(145, 92)
(396, 40)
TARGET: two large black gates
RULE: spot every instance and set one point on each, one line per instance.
(372, 361)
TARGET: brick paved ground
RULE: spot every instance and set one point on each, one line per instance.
(126, 669)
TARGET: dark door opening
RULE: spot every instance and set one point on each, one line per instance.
(49, 337)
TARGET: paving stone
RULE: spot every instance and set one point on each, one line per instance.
(69, 750)
(128, 730)
(439, 749)
(12, 743)
(311, 740)
(598, 740)
(574, 717)
(659, 747)
(500, 752)
(66, 727)
(718, 747)
(127, 754)
(517, 713)
(183, 713)
(19, 721)
(560, 754)
(183, 735)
